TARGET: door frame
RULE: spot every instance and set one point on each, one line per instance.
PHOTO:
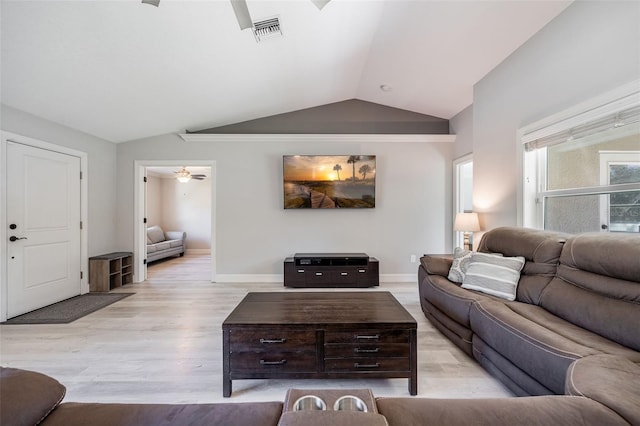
(139, 227)
(458, 194)
(84, 169)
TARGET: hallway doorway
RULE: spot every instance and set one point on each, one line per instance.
(176, 206)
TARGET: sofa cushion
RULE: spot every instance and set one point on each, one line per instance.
(240, 414)
(151, 248)
(163, 245)
(27, 397)
(461, 260)
(494, 275)
(532, 347)
(175, 243)
(155, 234)
(531, 411)
(541, 250)
(610, 380)
(598, 286)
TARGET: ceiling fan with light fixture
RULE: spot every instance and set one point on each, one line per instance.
(183, 175)
(242, 11)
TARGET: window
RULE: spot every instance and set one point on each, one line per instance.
(463, 187)
(582, 168)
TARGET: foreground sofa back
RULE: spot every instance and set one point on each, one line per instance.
(31, 398)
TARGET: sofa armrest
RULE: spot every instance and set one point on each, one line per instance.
(176, 235)
(437, 264)
(611, 380)
(27, 397)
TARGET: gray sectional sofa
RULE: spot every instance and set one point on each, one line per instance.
(161, 244)
(578, 296)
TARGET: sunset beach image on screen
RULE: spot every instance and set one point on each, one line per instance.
(329, 181)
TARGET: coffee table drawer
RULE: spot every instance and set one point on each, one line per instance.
(268, 340)
(367, 336)
(367, 364)
(366, 350)
(273, 362)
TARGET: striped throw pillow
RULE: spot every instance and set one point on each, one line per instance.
(494, 275)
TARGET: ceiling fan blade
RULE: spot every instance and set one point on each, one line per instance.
(155, 3)
(242, 13)
(320, 3)
(198, 177)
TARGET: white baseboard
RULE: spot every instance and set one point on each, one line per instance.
(278, 278)
(398, 278)
(197, 251)
(249, 278)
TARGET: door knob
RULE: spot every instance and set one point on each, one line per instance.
(14, 238)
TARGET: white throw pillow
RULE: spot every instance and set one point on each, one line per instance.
(461, 260)
(494, 275)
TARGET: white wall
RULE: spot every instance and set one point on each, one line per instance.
(255, 233)
(590, 48)
(154, 201)
(187, 207)
(101, 159)
(461, 125)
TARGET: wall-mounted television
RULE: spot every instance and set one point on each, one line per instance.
(329, 181)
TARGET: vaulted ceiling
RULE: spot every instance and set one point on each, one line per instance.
(123, 70)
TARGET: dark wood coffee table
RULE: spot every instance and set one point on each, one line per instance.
(314, 335)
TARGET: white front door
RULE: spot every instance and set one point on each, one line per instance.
(43, 218)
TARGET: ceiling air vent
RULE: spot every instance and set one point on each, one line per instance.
(267, 28)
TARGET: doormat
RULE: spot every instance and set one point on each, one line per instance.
(68, 310)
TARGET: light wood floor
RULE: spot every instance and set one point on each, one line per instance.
(164, 345)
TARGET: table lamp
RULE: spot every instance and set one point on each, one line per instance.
(466, 223)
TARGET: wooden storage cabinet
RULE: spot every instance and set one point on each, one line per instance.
(109, 271)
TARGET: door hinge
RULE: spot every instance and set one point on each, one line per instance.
(80, 224)
(80, 175)
(144, 179)
(144, 220)
(144, 262)
(81, 275)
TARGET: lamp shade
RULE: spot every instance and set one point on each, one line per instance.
(466, 222)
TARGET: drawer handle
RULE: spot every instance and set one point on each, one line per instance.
(366, 351)
(358, 365)
(344, 274)
(319, 274)
(362, 271)
(365, 337)
(281, 362)
(273, 340)
(301, 271)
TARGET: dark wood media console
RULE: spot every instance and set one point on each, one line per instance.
(331, 270)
